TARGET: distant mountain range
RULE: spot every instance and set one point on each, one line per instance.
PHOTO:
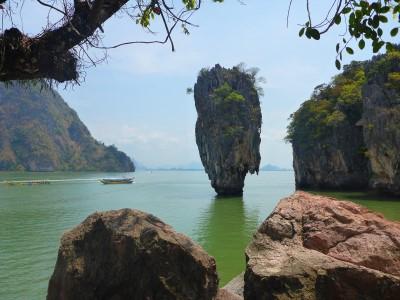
(269, 167)
(197, 166)
(40, 132)
(192, 166)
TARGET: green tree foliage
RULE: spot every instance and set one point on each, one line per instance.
(341, 100)
(226, 95)
(79, 28)
(364, 21)
(40, 132)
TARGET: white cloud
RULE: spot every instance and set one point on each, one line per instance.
(149, 146)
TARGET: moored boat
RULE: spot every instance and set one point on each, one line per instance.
(116, 180)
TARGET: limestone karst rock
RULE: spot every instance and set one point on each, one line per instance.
(40, 132)
(380, 122)
(228, 126)
(313, 247)
(128, 254)
(346, 136)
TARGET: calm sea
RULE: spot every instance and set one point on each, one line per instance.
(33, 218)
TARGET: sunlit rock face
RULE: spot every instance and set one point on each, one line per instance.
(314, 247)
(381, 126)
(347, 135)
(228, 126)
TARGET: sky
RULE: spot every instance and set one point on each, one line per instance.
(137, 100)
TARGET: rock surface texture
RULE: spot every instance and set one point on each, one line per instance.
(128, 254)
(381, 119)
(314, 247)
(347, 134)
(335, 162)
(228, 126)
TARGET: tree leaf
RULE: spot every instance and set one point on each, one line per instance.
(314, 33)
(346, 10)
(349, 50)
(361, 44)
(338, 65)
(383, 19)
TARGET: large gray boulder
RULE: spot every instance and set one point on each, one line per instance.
(128, 254)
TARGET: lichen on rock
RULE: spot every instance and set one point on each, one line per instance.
(228, 126)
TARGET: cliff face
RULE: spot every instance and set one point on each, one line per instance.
(228, 126)
(381, 123)
(40, 132)
(347, 134)
(334, 162)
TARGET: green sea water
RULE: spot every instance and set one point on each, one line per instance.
(33, 218)
(388, 206)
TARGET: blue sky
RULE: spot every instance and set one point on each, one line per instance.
(137, 100)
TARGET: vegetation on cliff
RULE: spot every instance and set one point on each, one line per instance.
(39, 132)
(346, 134)
(228, 125)
(341, 100)
(329, 106)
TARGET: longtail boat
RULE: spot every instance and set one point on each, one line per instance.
(117, 181)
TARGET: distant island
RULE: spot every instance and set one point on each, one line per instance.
(40, 132)
(192, 166)
(269, 167)
(196, 166)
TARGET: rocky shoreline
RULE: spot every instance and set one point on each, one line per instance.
(310, 247)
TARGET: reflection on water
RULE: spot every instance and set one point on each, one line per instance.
(33, 218)
(224, 231)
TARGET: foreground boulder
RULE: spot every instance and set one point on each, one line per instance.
(228, 126)
(314, 247)
(128, 254)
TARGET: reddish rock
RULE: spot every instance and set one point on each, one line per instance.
(224, 294)
(314, 247)
(128, 254)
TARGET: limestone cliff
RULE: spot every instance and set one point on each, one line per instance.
(228, 126)
(40, 132)
(381, 122)
(347, 135)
